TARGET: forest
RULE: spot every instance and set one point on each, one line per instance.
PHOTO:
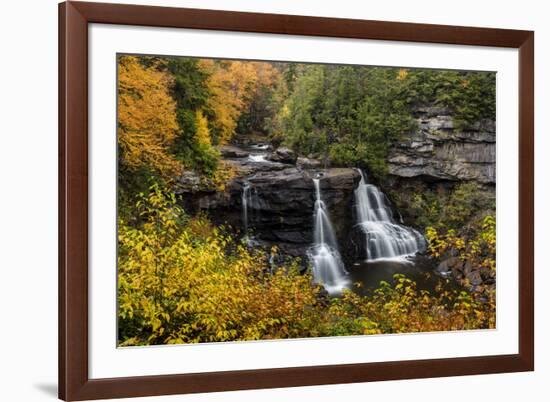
(273, 200)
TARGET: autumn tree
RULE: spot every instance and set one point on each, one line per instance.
(193, 145)
(147, 123)
(232, 85)
(263, 105)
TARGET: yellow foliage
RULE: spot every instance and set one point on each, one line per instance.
(223, 175)
(231, 85)
(184, 280)
(178, 283)
(402, 74)
(401, 307)
(202, 134)
(480, 250)
(146, 117)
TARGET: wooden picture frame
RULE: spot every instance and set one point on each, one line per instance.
(74, 381)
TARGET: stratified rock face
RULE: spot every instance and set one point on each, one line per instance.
(437, 151)
(282, 203)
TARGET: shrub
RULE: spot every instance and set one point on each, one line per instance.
(183, 280)
(479, 249)
(454, 209)
(191, 282)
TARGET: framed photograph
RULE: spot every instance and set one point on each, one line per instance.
(259, 200)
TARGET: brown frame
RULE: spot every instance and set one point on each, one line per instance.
(74, 18)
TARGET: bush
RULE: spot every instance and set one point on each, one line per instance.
(479, 250)
(454, 209)
(400, 307)
(183, 280)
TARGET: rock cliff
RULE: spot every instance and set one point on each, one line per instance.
(280, 194)
(436, 150)
(280, 200)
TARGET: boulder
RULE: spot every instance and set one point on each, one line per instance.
(451, 264)
(188, 182)
(283, 155)
(230, 151)
(474, 278)
(307, 163)
(462, 271)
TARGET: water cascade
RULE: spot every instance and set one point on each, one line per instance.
(261, 147)
(384, 238)
(257, 158)
(246, 201)
(328, 267)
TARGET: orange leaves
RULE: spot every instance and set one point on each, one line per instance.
(196, 284)
(146, 117)
(162, 127)
(402, 74)
(184, 280)
(231, 85)
(402, 307)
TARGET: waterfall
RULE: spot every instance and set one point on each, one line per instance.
(245, 201)
(261, 147)
(328, 267)
(384, 237)
(257, 158)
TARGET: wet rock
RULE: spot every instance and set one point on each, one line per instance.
(188, 182)
(451, 264)
(462, 271)
(229, 151)
(283, 155)
(474, 278)
(307, 163)
(354, 248)
(281, 202)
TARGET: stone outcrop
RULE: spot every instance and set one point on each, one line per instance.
(229, 151)
(470, 275)
(437, 151)
(308, 163)
(281, 201)
(283, 155)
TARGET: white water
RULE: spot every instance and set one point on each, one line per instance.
(257, 158)
(262, 147)
(328, 268)
(245, 199)
(385, 238)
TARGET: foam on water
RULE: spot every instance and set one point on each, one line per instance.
(328, 267)
(385, 239)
